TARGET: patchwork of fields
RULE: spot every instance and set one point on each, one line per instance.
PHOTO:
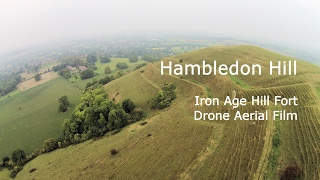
(174, 146)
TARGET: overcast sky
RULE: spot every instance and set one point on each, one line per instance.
(295, 22)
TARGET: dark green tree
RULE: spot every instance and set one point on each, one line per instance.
(128, 106)
(92, 58)
(117, 74)
(5, 160)
(140, 66)
(107, 70)
(65, 73)
(105, 80)
(18, 157)
(121, 65)
(88, 73)
(64, 104)
(50, 145)
(165, 96)
(37, 77)
(133, 58)
(105, 59)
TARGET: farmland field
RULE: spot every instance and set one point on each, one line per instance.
(41, 71)
(82, 83)
(32, 83)
(113, 64)
(172, 145)
(30, 117)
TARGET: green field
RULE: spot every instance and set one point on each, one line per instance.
(30, 117)
(172, 145)
(82, 83)
(114, 62)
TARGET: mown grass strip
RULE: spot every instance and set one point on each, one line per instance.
(275, 152)
(239, 82)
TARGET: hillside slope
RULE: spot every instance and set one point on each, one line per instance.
(174, 146)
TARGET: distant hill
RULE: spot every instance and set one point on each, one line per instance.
(172, 145)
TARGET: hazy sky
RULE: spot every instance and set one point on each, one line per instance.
(274, 21)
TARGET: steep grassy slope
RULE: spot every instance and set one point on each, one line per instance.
(32, 116)
(174, 146)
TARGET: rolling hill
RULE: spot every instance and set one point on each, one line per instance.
(172, 145)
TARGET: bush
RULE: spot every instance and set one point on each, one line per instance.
(143, 123)
(105, 59)
(37, 77)
(50, 145)
(133, 58)
(5, 159)
(128, 105)
(107, 70)
(32, 170)
(15, 171)
(276, 141)
(165, 96)
(116, 131)
(18, 157)
(121, 65)
(291, 173)
(114, 152)
(88, 73)
(64, 104)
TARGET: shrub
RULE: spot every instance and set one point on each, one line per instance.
(291, 173)
(143, 123)
(116, 131)
(128, 105)
(121, 65)
(50, 145)
(165, 96)
(15, 171)
(88, 73)
(32, 170)
(276, 141)
(18, 157)
(105, 59)
(114, 152)
(5, 159)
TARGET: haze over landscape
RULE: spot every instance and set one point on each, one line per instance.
(160, 89)
(286, 22)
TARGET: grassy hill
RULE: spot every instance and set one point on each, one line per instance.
(174, 146)
(32, 116)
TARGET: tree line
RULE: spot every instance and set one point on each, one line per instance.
(8, 82)
(95, 115)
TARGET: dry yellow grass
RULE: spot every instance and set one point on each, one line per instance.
(41, 71)
(32, 83)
